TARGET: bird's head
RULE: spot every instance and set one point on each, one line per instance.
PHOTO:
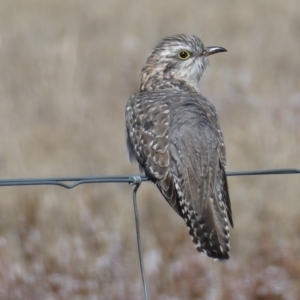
(182, 57)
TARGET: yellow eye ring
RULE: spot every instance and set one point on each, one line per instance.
(183, 54)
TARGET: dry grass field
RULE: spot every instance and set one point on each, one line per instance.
(67, 69)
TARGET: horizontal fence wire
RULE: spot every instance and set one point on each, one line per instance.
(71, 182)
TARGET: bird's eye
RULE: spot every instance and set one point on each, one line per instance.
(184, 54)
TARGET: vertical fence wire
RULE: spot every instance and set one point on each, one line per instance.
(137, 182)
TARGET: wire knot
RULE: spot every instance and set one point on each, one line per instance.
(135, 180)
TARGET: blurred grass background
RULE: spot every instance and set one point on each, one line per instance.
(67, 70)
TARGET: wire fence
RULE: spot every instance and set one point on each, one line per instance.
(136, 180)
(71, 182)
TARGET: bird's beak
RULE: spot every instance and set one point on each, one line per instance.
(212, 50)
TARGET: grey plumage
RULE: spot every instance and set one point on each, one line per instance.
(173, 133)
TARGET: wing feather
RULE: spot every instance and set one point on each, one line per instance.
(195, 153)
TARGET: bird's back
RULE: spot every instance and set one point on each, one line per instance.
(175, 136)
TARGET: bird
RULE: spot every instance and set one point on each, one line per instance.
(174, 134)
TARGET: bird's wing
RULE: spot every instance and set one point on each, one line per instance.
(147, 122)
(195, 156)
